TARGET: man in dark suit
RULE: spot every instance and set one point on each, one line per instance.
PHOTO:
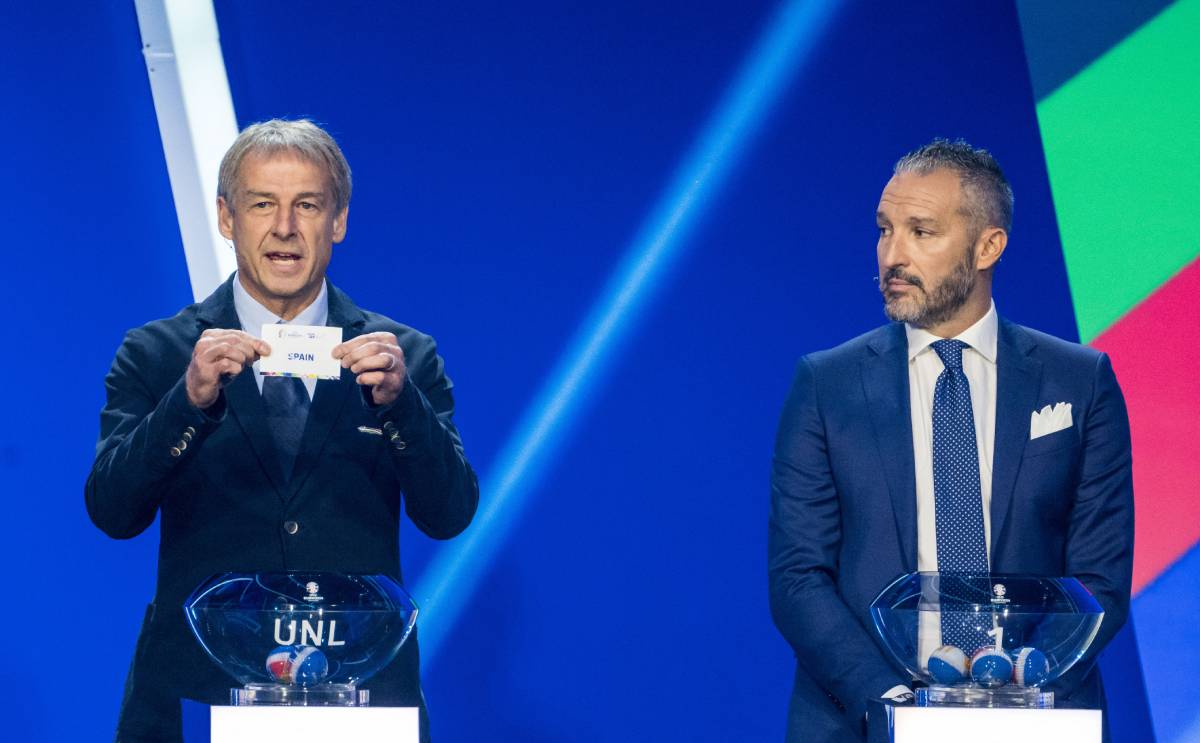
(268, 473)
(927, 444)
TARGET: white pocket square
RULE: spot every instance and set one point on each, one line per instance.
(1049, 420)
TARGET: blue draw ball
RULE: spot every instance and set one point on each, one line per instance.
(1030, 666)
(309, 666)
(947, 665)
(991, 668)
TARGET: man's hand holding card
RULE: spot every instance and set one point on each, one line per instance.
(378, 362)
(219, 356)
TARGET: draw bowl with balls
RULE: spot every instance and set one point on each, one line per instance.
(985, 640)
(301, 638)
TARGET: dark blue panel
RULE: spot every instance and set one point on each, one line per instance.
(1065, 36)
(92, 249)
(504, 155)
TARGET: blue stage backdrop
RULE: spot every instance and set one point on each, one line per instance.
(510, 161)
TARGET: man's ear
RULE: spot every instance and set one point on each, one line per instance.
(224, 218)
(339, 225)
(989, 247)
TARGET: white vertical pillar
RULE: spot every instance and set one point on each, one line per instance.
(196, 121)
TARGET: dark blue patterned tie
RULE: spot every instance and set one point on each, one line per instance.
(958, 503)
(287, 405)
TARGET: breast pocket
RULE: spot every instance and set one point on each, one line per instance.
(1068, 438)
(358, 442)
(1049, 473)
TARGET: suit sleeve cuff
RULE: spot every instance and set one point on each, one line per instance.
(402, 418)
(181, 425)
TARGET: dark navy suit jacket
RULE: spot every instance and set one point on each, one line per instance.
(224, 502)
(843, 521)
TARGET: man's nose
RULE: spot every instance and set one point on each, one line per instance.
(285, 224)
(892, 251)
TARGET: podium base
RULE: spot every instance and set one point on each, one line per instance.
(281, 695)
(891, 723)
(1011, 697)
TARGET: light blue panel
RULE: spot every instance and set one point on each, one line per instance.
(1166, 613)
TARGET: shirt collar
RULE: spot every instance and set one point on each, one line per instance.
(981, 336)
(252, 315)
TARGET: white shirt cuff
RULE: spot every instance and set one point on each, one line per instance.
(898, 693)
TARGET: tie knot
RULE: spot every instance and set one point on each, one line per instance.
(950, 352)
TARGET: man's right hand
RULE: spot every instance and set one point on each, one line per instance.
(219, 356)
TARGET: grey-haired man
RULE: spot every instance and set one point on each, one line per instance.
(194, 433)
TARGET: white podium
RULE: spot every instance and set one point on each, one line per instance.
(314, 724)
(906, 724)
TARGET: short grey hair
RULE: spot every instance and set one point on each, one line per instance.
(299, 137)
(989, 198)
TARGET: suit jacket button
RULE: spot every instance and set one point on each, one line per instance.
(191, 430)
(182, 445)
(176, 451)
(400, 444)
(291, 527)
(186, 436)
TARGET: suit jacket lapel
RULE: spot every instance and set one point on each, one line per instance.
(1018, 379)
(331, 396)
(241, 395)
(885, 382)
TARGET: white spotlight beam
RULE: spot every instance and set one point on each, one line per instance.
(195, 119)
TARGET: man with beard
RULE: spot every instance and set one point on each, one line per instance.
(926, 445)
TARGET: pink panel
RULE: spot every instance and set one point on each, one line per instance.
(1155, 350)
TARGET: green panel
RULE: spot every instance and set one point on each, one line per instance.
(1122, 143)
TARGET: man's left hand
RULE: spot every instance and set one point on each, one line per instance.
(378, 362)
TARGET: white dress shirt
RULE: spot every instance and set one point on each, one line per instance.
(252, 315)
(924, 367)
